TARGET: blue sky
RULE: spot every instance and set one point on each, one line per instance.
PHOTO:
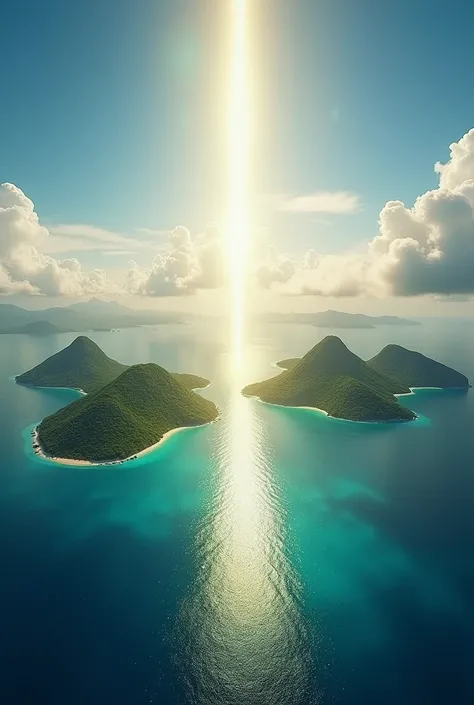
(113, 112)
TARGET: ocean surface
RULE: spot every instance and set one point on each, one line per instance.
(276, 557)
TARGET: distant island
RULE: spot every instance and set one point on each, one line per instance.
(339, 319)
(81, 317)
(333, 379)
(38, 328)
(126, 411)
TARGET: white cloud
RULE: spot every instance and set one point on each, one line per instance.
(336, 202)
(460, 166)
(76, 237)
(187, 266)
(426, 249)
(23, 266)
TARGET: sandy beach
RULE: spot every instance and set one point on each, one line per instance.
(337, 418)
(89, 463)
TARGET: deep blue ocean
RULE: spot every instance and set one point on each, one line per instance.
(276, 557)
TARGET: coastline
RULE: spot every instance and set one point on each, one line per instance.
(73, 462)
(38, 450)
(413, 390)
(328, 415)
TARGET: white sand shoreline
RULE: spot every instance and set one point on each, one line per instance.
(325, 413)
(413, 390)
(38, 450)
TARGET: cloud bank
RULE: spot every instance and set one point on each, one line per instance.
(425, 249)
(23, 268)
(189, 265)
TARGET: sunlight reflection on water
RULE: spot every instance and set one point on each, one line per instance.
(243, 639)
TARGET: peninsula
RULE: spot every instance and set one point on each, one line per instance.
(127, 416)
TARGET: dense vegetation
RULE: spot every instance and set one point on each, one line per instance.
(332, 378)
(123, 418)
(413, 369)
(191, 381)
(82, 365)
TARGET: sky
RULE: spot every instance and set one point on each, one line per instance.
(113, 145)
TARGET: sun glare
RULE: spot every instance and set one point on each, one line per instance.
(238, 224)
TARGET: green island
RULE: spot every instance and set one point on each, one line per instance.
(126, 409)
(416, 370)
(83, 365)
(332, 378)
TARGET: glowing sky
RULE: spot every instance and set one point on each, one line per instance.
(121, 135)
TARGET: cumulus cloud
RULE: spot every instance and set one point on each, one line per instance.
(338, 202)
(424, 249)
(24, 268)
(189, 264)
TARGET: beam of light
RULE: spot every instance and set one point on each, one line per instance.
(243, 639)
(239, 136)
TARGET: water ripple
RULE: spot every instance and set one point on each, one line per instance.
(242, 637)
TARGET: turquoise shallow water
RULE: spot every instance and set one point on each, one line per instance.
(274, 557)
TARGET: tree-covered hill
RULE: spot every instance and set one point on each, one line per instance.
(332, 378)
(129, 414)
(413, 369)
(82, 365)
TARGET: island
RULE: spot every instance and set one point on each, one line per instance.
(89, 315)
(407, 367)
(129, 415)
(333, 379)
(38, 328)
(413, 369)
(338, 319)
(83, 365)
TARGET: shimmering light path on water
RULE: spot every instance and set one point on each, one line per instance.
(244, 638)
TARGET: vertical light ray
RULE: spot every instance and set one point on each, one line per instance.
(239, 131)
(244, 640)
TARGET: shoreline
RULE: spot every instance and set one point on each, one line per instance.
(41, 386)
(328, 415)
(73, 462)
(413, 390)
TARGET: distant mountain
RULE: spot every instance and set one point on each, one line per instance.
(332, 378)
(339, 319)
(413, 369)
(96, 306)
(123, 418)
(84, 316)
(34, 328)
(82, 365)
